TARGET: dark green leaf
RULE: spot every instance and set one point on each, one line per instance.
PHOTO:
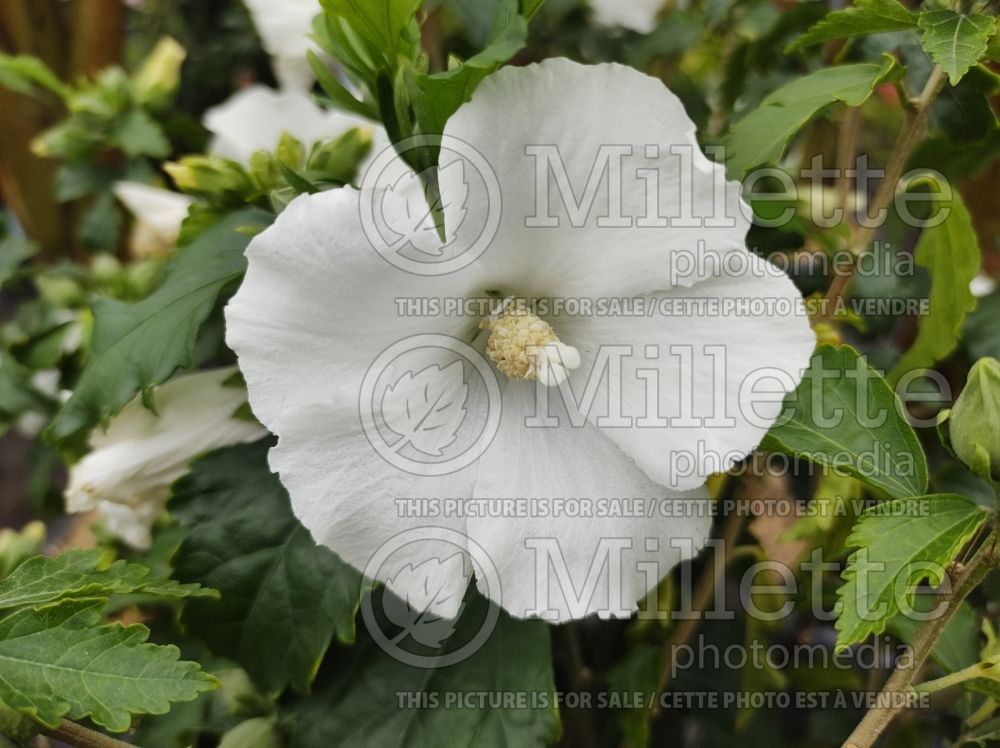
(373, 699)
(278, 587)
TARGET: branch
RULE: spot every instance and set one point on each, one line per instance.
(83, 737)
(889, 702)
(909, 136)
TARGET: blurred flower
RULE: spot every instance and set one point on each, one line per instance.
(982, 285)
(159, 214)
(284, 27)
(128, 473)
(319, 305)
(160, 74)
(255, 119)
(636, 15)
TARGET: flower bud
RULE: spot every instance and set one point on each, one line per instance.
(160, 74)
(975, 420)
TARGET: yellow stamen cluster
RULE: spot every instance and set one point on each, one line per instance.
(516, 340)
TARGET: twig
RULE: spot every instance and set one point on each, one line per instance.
(892, 699)
(911, 134)
(83, 737)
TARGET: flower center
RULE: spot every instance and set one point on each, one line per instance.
(523, 346)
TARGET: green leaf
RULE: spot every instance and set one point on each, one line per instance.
(370, 698)
(138, 134)
(900, 542)
(950, 252)
(845, 416)
(84, 574)
(444, 93)
(864, 17)
(277, 585)
(24, 73)
(137, 346)
(13, 251)
(955, 42)
(761, 136)
(336, 92)
(385, 29)
(60, 661)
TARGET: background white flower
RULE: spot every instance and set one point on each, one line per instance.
(158, 213)
(636, 15)
(255, 119)
(317, 307)
(284, 27)
(128, 473)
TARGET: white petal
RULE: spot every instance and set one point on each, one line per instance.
(349, 497)
(284, 27)
(553, 464)
(637, 15)
(159, 214)
(255, 119)
(133, 525)
(141, 454)
(721, 386)
(583, 110)
(319, 304)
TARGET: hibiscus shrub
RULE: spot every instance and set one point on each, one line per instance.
(582, 373)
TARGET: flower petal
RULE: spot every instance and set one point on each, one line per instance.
(284, 27)
(319, 304)
(255, 119)
(636, 15)
(719, 359)
(577, 473)
(354, 502)
(519, 116)
(141, 454)
(159, 214)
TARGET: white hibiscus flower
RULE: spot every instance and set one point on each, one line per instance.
(319, 306)
(128, 473)
(284, 27)
(635, 15)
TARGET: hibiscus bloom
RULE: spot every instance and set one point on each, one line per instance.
(131, 465)
(159, 214)
(321, 316)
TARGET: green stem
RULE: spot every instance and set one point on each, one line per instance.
(985, 669)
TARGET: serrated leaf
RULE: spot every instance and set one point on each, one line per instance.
(862, 18)
(60, 661)
(899, 543)
(950, 252)
(413, 613)
(762, 135)
(137, 346)
(869, 439)
(369, 698)
(954, 41)
(22, 73)
(83, 574)
(277, 586)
